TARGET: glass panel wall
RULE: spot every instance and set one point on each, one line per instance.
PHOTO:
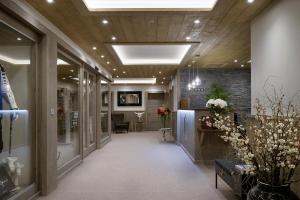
(85, 75)
(92, 110)
(68, 116)
(16, 109)
(104, 89)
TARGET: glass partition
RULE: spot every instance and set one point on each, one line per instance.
(68, 116)
(16, 109)
(104, 89)
(92, 110)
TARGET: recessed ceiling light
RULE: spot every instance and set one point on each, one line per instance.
(250, 1)
(153, 76)
(70, 76)
(115, 69)
(162, 82)
(188, 38)
(104, 21)
(117, 76)
(189, 65)
(63, 78)
(72, 70)
(113, 38)
(242, 65)
(193, 61)
(135, 81)
(124, 72)
(94, 48)
(250, 61)
(108, 62)
(197, 21)
(235, 61)
(19, 39)
(151, 54)
(50, 1)
(148, 5)
(159, 72)
(102, 56)
(164, 78)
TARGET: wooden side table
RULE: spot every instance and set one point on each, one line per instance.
(141, 124)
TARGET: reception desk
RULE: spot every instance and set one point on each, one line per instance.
(200, 144)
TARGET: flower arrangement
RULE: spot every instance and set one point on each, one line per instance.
(217, 99)
(164, 114)
(270, 143)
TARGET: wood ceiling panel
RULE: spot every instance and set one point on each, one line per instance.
(224, 33)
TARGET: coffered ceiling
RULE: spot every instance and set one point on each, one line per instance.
(222, 35)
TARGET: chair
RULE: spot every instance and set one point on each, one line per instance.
(118, 123)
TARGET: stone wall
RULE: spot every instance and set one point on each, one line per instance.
(236, 81)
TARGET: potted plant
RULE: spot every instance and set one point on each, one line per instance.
(216, 103)
(270, 144)
(164, 114)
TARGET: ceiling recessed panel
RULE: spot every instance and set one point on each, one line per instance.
(134, 81)
(151, 54)
(150, 5)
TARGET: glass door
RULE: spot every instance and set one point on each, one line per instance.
(104, 112)
(89, 112)
(68, 111)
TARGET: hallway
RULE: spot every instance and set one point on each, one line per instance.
(138, 166)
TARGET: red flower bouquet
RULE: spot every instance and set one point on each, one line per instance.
(164, 114)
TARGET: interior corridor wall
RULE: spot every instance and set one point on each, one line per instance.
(275, 43)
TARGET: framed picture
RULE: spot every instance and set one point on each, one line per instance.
(105, 98)
(129, 98)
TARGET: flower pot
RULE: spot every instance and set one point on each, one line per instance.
(264, 191)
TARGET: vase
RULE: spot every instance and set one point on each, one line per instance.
(264, 191)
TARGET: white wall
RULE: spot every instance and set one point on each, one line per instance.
(275, 36)
(143, 88)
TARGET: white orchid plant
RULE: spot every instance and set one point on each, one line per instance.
(218, 99)
(270, 142)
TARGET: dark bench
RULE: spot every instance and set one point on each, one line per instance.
(238, 182)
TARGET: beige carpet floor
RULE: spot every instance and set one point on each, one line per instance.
(139, 166)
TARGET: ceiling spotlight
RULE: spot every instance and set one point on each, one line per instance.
(164, 78)
(94, 48)
(242, 65)
(250, 1)
(102, 56)
(124, 72)
(250, 61)
(72, 70)
(197, 21)
(188, 38)
(104, 21)
(159, 72)
(19, 39)
(115, 69)
(189, 65)
(193, 61)
(162, 82)
(108, 62)
(113, 38)
(70, 76)
(50, 1)
(117, 76)
(235, 61)
(153, 76)
(63, 78)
